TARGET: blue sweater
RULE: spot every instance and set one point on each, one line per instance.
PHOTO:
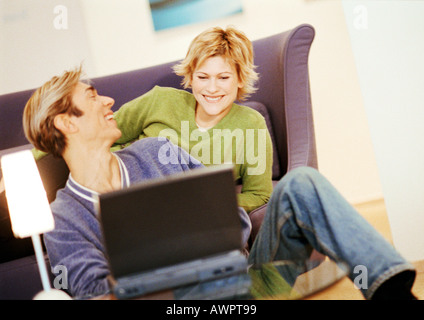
(76, 242)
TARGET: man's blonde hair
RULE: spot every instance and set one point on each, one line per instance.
(231, 44)
(51, 99)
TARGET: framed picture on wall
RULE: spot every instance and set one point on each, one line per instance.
(173, 13)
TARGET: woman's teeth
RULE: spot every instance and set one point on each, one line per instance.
(213, 99)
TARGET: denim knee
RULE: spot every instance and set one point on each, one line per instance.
(298, 179)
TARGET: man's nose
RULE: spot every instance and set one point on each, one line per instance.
(108, 101)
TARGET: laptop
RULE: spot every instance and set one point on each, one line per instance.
(173, 231)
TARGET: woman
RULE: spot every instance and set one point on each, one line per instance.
(207, 123)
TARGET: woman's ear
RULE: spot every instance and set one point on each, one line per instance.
(64, 124)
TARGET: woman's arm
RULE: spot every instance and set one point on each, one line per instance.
(256, 172)
(131, 117)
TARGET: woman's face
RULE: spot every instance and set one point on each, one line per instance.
(215, 85)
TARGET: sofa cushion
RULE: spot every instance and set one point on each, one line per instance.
(10, 247)
(260, 107)
(20, 278)
(54, 174)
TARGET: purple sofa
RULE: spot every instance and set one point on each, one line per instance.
(283, 99)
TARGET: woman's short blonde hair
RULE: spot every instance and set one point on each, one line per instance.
(231, 44)
(51, 99)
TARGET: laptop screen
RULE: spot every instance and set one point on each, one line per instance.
(170, 220)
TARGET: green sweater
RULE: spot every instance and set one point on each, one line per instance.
(240, 138)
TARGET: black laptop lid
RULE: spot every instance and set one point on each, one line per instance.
(170, 220)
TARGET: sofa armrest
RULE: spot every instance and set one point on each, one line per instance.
(256, 217)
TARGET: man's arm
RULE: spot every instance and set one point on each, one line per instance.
(76, 245)
(86, 267)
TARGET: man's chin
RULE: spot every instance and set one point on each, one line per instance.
(118, 135)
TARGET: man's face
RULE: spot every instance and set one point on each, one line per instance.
(97, 121)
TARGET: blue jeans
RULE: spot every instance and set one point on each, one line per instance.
(306, 212)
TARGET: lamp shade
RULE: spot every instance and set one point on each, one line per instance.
(29, 207)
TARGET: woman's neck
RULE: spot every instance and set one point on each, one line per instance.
(207, 121)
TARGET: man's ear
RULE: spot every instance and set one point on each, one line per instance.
(64, 123)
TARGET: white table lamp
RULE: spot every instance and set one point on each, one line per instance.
(29, 209)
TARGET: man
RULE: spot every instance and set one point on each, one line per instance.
(68, 118)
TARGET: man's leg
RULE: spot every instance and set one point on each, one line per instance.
(305, 212)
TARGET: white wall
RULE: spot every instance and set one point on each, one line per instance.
(388, 43)
(120, 37)
(36, 43)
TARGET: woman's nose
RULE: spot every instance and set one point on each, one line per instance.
(212, 87)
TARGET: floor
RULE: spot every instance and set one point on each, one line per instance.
(375, 213)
